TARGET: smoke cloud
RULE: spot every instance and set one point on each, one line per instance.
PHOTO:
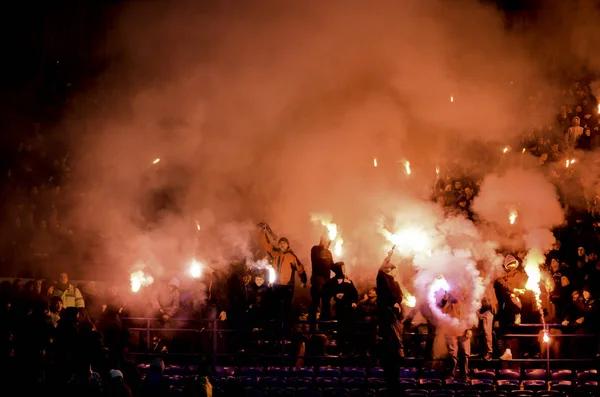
(274, 111)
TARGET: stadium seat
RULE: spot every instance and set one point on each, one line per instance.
(253, 392)
(274, 381)
(223, 372)
(521, 393)
(143, 367)
(249, 381)
(353, 383)
(175, 370)
(280, 392)
(300, 382)
(376, 372)
(482, 384)
(383, 392)
(325, 382)
(278, 371)
(535, 374)
(308, 392)
(456, 384)
(376, 383)
(467, 393)
(330, 372)
(407, 383)
(483, 374)
(513, 374)
(411, 372)
(254, 372)
(362, 393)
(587, 374)
(192, 369)
(508, 385)
(441, 393)
(535, 385)
(351, 372)
(176, 380)
(563, 386)
(589, 386)
(548, 393)
(429, 384)
(336, 392)
(415, 393)
(494, 393)
(561, 374)
(431, 374)
(303, 372)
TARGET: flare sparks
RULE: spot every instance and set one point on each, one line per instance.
(138, 280)
(513, 217)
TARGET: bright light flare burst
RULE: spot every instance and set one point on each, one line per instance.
(375, 162)
(409, 300)
(332, 233)
(195, 269)
(408, 240)
(513, 217)
(156, 161)
(534, 275)
(569, 162)
(407, 167)
(139, 279)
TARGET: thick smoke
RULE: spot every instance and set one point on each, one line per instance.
(274, 111)
(520, 207)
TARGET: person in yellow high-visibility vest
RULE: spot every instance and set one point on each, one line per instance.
(70, 295)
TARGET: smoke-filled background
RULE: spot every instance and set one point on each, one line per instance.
(209, 117)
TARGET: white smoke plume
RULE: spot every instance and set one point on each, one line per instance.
(527, 194)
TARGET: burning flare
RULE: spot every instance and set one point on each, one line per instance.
(452, 100)
(409, 240)
(156, 161)
(505, 149)
(407, 167)
(139, 279)
(195, 269)
(264, 264)
(197, 226)
(409, 300)
(513, 217)
(532, 267)
(437, 170)
(375, 162)
(332, 233)
(524, 150)
(569, 162)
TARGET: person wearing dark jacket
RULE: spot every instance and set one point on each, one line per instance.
(322, 261)
(345, 297)
(389, 299)
(287, 266)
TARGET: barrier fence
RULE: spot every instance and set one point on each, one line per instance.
(214, 330)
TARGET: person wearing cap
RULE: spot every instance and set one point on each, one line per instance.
(322, 261)
(116, 387)
(286, 265)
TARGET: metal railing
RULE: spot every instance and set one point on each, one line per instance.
(213, 328)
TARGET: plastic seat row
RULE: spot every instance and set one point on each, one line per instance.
(405, 383)
(535, 374)
(405, 372)
(335, 392)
